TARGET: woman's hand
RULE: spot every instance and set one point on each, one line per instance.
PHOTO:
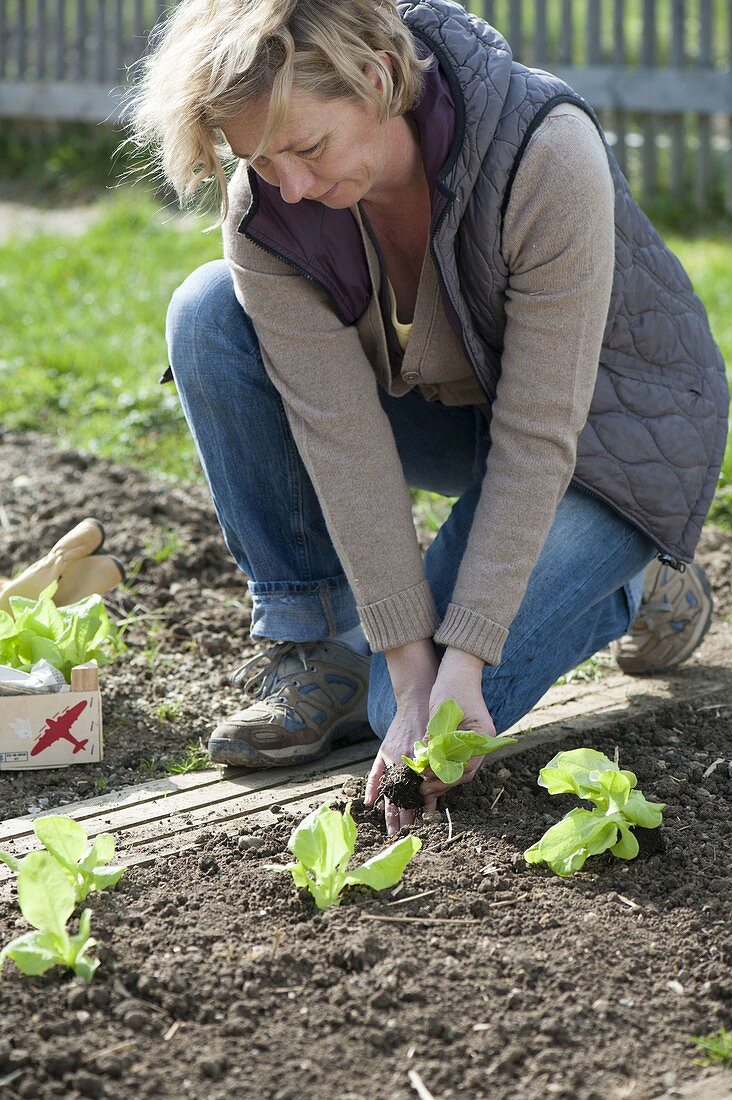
(413, 670)
(408, 726)
(459, 678)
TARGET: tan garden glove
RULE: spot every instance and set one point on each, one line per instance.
(75, 562)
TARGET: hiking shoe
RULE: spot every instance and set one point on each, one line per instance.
(306, 696)
(674, 615)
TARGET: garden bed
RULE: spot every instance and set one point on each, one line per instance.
(497, 982)
(218, 980)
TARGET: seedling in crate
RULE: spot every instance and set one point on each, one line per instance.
(66, 842)
(445, 751)
(47, 899)
(323, 844)
(581, 833)
(37, 630)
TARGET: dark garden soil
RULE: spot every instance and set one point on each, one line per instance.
(219, 981)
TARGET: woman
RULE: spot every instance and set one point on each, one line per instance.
(435, 277)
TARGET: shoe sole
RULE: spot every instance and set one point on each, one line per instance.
(242, 754)
(694, 642)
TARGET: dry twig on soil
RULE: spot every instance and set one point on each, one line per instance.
(419, 1086)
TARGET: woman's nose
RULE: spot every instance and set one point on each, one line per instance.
(295, 180)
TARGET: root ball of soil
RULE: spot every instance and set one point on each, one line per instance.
(650, 841)
(402, 787)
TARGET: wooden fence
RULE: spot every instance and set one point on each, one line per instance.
(657, 71)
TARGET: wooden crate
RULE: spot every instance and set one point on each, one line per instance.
(53, 730)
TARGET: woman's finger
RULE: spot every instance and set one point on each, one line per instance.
(406, 817)
(374, 780)
(391, 813)
(429, 805)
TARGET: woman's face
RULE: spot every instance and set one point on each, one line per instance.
(332, 151)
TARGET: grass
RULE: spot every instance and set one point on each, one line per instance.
(194, 759)
(716, 1049)
(83, 346)
(590, 671)
(169, 711)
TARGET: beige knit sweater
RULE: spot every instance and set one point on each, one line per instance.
(558, 246)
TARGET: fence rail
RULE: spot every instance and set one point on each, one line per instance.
(657, 71)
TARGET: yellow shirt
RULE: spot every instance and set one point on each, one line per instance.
(403, 332)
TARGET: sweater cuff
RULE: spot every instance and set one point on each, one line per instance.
(467, 630)
(404, 617)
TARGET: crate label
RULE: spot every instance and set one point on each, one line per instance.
(50, 731)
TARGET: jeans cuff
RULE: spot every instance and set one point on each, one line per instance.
(302, 611)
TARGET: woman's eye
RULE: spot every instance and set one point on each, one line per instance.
(312, 151)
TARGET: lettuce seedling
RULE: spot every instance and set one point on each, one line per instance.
(47, 899)
(582, 833)
(67, 843)
(323, 844)
(447, 749)
(37, 630)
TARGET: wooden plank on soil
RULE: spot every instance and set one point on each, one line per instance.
(195, 787)
(159, 820)
(147, 843)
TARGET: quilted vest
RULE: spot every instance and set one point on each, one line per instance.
(654, 440)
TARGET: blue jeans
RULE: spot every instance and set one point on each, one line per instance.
(583, 592)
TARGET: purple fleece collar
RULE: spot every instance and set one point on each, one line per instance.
(325, 245)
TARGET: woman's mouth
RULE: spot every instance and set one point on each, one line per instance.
(327, 194)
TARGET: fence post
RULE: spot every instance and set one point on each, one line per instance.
(621, 148)
(704, 174)
(728, 173)
(515, 28)
(59, 65)
(3, 37)
(648, 60)
(80, 39)
(41, 40)
(566, 34)
(21, 43)
(540, 35)
(676, 124)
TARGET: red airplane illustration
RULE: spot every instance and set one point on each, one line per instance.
(60, 727)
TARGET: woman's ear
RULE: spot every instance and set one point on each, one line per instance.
(372, 73)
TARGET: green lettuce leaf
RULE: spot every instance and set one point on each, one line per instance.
(45, 895)
(582, 833)
(447, 749)
(64, 636)
(63, 837)
(47, 899)
(33, 953)
(385, 869)
(323, 844)
(566, 845)
(10, 861)
(446, 719)
(85, 865)
(640, 811)
(36, 952)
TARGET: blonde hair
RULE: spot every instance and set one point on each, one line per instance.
(212, 57)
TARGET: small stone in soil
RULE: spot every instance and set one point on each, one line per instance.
(401, 786)
(136, 1019)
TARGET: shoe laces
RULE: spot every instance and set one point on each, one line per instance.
(257, 675)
